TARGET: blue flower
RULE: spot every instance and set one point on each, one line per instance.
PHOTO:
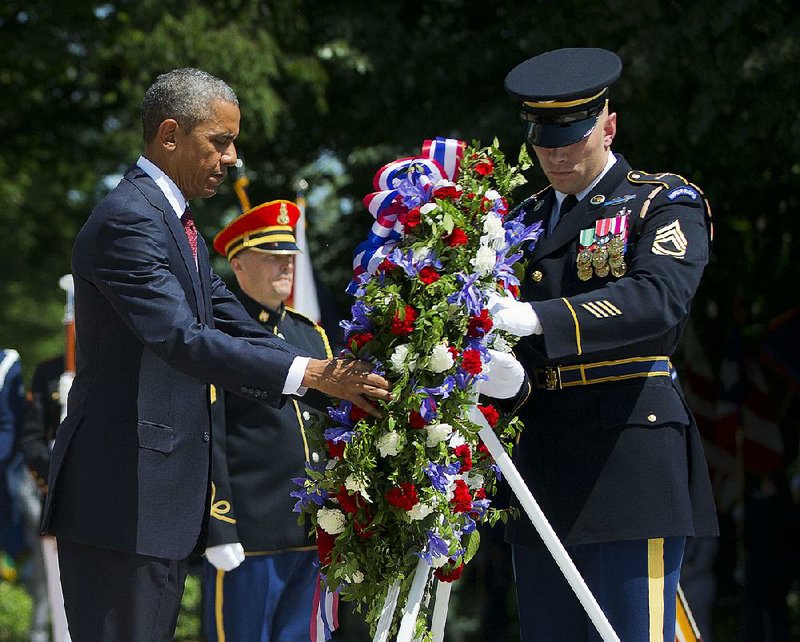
(440, 474)
(469, 295)
(309, 493)
(338, 434)
(435, 547)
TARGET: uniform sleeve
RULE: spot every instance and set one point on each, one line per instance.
(654, 296)
(222, 519)
(12, 406)
(33, 437)
(132, 271)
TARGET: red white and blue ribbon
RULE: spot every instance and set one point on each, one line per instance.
(401, 185)
(324, 613)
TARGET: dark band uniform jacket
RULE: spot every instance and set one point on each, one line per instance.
(260, 451)
(155, 332)
(620, 457)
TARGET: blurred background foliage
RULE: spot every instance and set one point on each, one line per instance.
(330, 91)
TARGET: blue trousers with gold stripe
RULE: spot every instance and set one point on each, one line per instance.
(635, 583)
(266, 599)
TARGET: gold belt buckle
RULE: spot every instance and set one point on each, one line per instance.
(552, 378)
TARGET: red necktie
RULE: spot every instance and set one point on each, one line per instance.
(191, 231)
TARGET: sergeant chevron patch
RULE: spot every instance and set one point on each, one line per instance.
(602, 309)
(670, 241)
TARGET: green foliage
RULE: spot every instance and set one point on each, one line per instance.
(188, 627)
(16, 611)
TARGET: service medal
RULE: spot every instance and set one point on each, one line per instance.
(585, 274)
(615, 246)
(602, 271)
(619, 270)
(584, 259)
(600, 258)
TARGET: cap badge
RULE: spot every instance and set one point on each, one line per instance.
(283, 215)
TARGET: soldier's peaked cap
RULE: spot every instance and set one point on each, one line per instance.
(268, 227)
(563, 92)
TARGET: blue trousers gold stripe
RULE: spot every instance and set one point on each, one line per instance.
(266, 599)
(635, 583)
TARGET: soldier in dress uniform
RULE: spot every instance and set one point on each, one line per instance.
(610, 448)
(260, 572)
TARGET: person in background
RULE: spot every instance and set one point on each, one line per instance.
(260, 572)
(610, 449)
(12, 408)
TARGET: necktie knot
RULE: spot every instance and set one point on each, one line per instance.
(187, 220)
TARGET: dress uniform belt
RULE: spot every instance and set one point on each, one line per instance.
(584, 374)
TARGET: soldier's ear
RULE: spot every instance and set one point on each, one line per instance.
(609, 129)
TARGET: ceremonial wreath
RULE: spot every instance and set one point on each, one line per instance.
(384, 493)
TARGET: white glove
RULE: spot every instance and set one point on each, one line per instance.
(225, 557)
(513, 316)
(505, 373)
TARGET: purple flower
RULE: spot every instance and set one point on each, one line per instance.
(440, 474)
(469, 295)
(517, 232)
(435, 546)
(338, 434)
(361, 321)
(428, 409)
(443, 390)
(309, 493)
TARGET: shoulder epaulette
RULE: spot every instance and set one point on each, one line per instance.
(669, 181)
(300, 315)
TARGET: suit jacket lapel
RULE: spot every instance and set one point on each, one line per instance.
(152, 192)
(584, 214)
(204, 268)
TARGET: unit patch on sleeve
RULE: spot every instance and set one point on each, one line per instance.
(670, 241)
(602, 309)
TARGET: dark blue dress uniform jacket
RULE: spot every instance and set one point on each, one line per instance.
(260, 451)
(620, 459)
(130, 466)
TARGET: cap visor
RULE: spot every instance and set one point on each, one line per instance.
(560, 135)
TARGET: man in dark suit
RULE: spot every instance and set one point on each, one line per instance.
(157, 334)
(610, 449)
(260, 574)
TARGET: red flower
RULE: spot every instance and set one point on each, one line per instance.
(443, 575)
(363, 528)
(483, 450)
(404, 325)
(484, 167)
(447, 191)
(357, 414)
(348, 502)
(403, 496)
(386, 266)
(464, 453)
(428, 275)
(324, 546)
(491, 414)
(462, 500)
(360, 339)
(479, 325)
(453, 352)
(471, 361)
(502, 209)
(415, 420)
(456, 237)
(335, 449)
(480, 493)
(514, 289)
(412, 218)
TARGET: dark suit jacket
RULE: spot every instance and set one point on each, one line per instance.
(130, 464)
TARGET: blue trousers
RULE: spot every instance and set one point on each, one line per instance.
(634, 582)
(266, 599)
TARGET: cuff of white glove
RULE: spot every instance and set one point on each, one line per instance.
(225, 557)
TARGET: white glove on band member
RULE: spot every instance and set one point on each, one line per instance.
(513, 316)
(225, 557)
(505, 373)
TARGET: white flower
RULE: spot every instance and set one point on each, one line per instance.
(439, 561)
(437, 433)
(331, 520)
(494, 233)
(420, 511)
(388, 444)
(485, 259)
(440, 359)
(400, 359)
(356, 578)
(427, 208)
(474, 481)
(420, 253)
(501, 345)
(357, 485)
(456, 440)
(492, 194)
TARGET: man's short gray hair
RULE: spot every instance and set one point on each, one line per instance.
(185, 95)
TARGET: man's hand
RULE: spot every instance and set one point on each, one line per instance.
(348, 379)
(513, 316)
(506, 376)
(225, 557)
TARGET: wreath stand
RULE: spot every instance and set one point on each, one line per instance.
(548, 535)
